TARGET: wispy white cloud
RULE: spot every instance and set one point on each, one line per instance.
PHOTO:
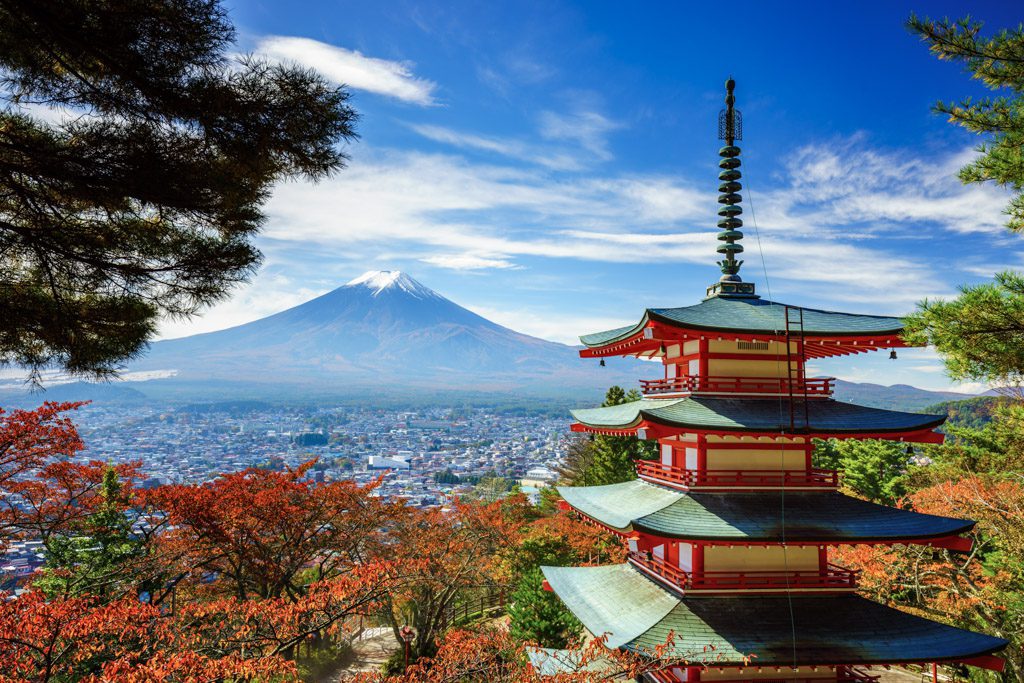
(350, 67)
(846, 182)
(587, 128)
(444, 202)
(507, 147)
(468, 262)
(268, 294)
(555, 326)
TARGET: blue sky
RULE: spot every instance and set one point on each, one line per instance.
(552, 165)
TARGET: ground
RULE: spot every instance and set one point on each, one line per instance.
(369, 651)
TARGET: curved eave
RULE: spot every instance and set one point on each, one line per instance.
(655, 419)
(637, 614)
(636, 339)
(658, 418)
(756, 517)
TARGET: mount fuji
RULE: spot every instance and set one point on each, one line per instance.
(383, 331)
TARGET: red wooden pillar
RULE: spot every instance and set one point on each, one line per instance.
(702, 358)
(697, 562)
(702, 453)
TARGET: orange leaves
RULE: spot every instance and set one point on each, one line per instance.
(30, 440)
(273, 626)
(124, 640)
(264, 533)
(492, 655)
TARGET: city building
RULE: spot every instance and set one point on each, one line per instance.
(730, 530)
(382, 462)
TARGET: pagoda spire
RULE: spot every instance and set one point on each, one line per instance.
(730, 129)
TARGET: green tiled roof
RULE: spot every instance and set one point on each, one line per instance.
(617, 505)
(755, 414)
(550, 662)
(753, 316)
(829, 629)
(824, 516)
(627, 607)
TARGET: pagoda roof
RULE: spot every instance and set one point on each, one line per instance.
(551, 662)
(753, 316)
(702, 413)
(757, 516)
(637, 614)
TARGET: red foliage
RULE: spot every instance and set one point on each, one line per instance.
(267, 534)
(84, 639)
(29, 441)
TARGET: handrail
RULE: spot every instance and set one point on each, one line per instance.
(679, 476)
(833, 577)
(849, 675)
(686, 384)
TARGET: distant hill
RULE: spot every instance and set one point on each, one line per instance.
(895, 397)
(972, 412)
(97, 392)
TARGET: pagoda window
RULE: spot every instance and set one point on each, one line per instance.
(666, 455)
(768, 458)
(761, 558)
(684, 559)
(728, 358)
(691, 461)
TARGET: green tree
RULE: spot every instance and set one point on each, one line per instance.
(615, 456)
(144, 199)
(88, 558)
(980, 334)
(538, 616)
(996, 449)
(998, 62)
(872, 469)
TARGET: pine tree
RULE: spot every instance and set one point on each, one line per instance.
(143, 201)
(998, 62)
(872, 469)
(615, 456)
(981, 333)
(538, 616)
(88, 557)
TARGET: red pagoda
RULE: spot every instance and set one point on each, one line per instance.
(730, 530)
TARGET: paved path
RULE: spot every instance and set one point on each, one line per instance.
(369, 652)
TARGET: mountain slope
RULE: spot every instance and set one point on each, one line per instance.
(893, 397)
(381, 327)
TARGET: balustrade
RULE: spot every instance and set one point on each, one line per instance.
(686, 478)
(686, 384)
(832, 577)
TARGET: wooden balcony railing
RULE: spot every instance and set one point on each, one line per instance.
(811, 386)
(685, 478)
(833, 577)
(850, 675)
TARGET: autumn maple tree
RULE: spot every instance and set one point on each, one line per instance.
(452, 552)
(267, 534)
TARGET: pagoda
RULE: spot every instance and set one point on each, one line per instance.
(731, 528)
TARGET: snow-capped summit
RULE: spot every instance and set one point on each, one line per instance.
(380, 280)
